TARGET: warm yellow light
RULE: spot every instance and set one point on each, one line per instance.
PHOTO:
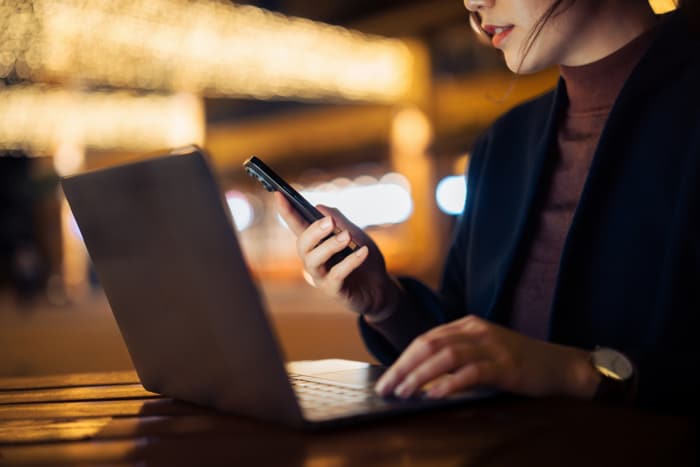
(208, 47)
(460, 164)
(68, 158)
(75, 257)
(45, 119)
(411, 131)
(663, 6)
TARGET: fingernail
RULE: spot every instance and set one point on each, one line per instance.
(342, 236)
(326, 224)
(379, 387)
(401, 390)
(382, 385)
(361, 252)
(435, 392)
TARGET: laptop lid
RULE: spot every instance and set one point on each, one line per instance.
(165, 250)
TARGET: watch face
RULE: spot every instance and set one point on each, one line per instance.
(612, 363)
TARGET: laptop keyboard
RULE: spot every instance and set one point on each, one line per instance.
(324, 399)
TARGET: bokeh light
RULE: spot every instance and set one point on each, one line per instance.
(366, 202)
(42, 118)
(240, 208)
(208, 47)
(451, 193)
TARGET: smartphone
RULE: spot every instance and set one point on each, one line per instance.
(273, 182)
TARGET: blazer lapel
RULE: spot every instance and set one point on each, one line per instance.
(538, 157)
(653, 68)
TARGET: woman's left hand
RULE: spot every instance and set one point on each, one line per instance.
(472, 352)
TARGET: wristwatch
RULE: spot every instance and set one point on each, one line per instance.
(618, 378)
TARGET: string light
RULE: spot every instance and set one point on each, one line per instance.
(213, 48)
(39, 118)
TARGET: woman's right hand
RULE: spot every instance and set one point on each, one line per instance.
(360, 281)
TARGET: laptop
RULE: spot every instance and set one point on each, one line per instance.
(164, 247)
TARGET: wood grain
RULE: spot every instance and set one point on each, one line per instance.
(117, 430)
(119, 391)
(113, 408)
(68, 380)
(473, 437)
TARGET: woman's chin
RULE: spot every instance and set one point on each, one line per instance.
(525, 68)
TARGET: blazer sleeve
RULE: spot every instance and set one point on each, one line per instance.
(421, 308)
(452, 284)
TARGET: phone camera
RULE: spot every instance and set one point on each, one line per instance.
(250, 171)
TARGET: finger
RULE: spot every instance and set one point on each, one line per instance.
(470, 326)
(479, 373)
(312, 236)
(342, 222)
(316, 259)
(336, 276)
(422, 348)
(291, 217)
(446, 360)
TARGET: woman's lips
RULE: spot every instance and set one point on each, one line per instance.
(497, 33)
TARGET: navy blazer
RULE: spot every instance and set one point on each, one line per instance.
(629, 275)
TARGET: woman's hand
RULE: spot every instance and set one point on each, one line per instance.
(472, 352)
(360, 280)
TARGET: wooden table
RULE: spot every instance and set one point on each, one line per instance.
(110, 419)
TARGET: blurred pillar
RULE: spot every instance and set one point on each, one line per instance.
(411, 135)
(69, 158)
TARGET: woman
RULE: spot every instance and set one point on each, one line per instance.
(580, 230)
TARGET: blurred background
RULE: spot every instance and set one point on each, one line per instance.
(369, 106)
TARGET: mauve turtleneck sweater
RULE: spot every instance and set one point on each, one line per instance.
(591, 90)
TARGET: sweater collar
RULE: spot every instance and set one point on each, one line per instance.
(593, 88)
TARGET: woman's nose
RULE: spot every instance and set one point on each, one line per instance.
(476, 5)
